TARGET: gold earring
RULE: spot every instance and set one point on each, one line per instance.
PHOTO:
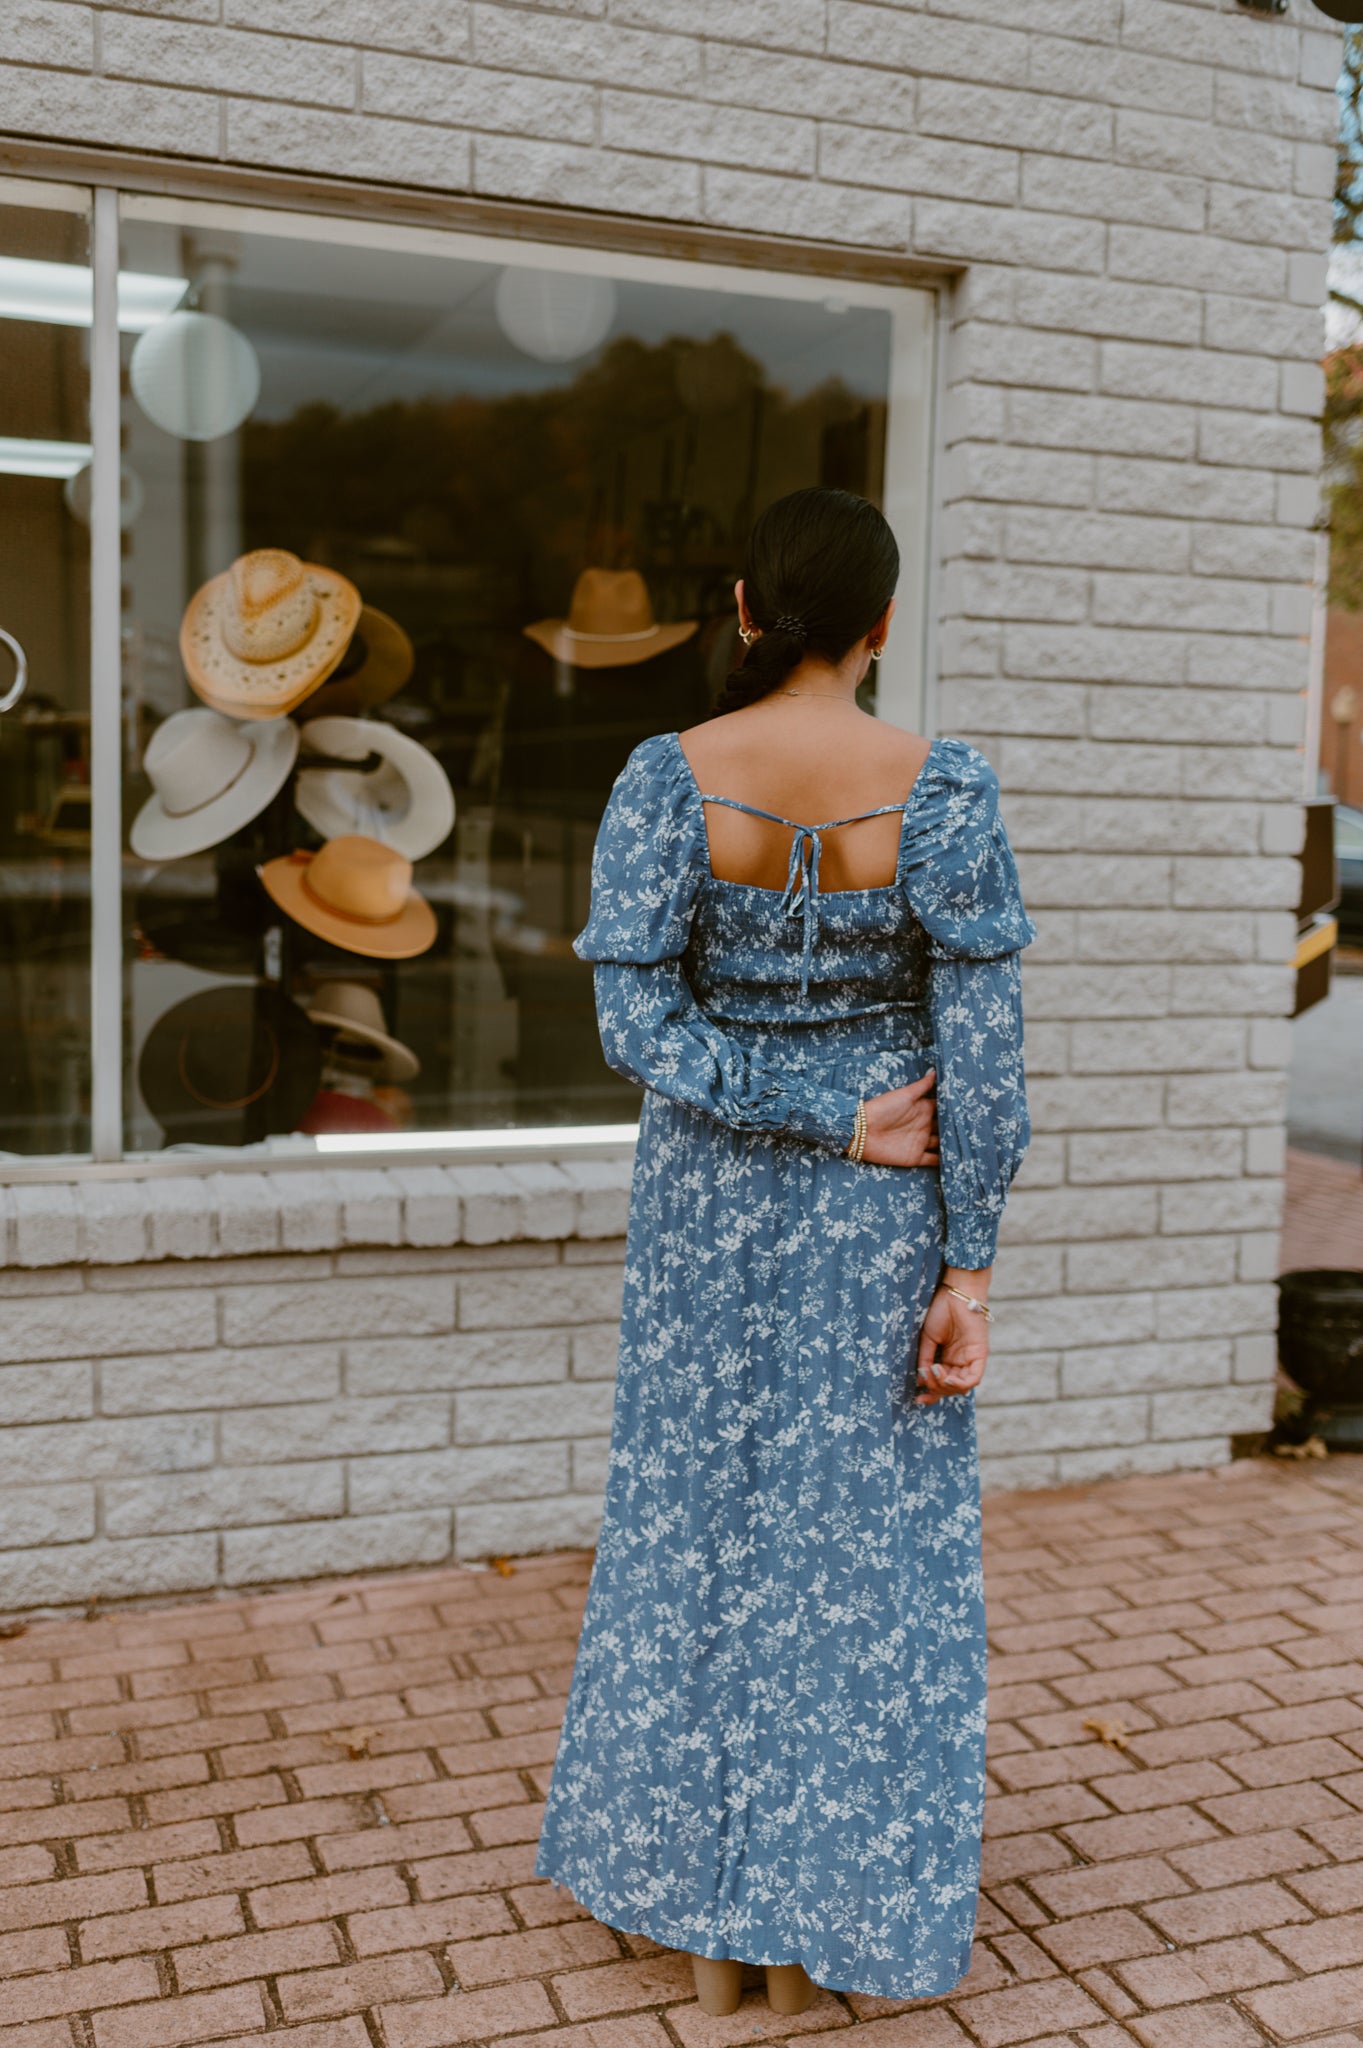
(747, 634)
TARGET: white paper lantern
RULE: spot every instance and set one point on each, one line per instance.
(195, 375)
(76, 491)
(555, 315)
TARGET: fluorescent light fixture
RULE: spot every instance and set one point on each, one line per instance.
(567, 1135)
(62, 294)
(42, 458)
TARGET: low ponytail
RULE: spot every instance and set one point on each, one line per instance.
(820, 568)
(765, 665)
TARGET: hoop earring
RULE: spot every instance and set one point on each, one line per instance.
(876, 652)
(747, 634)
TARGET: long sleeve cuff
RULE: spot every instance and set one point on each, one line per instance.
(822, 1116)
(972, 1238)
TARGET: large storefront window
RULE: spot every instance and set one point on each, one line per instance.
(420, 534)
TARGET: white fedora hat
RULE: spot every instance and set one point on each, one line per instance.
(209, 777)
(406, 802)
(355, 1012)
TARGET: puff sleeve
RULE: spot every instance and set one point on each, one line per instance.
(648, 864)
(962, 883)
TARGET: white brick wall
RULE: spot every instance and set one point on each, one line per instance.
(1136, 193)
(238, 1413)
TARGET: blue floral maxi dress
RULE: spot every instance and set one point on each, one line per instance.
(773, 1744)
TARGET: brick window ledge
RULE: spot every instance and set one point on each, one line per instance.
(240, 1215)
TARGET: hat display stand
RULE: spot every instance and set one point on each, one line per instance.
(240, 932)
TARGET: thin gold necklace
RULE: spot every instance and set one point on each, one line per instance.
(833, 696)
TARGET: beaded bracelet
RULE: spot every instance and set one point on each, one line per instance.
(858, 1141)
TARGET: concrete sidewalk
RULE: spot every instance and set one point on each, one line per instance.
(309, 1818)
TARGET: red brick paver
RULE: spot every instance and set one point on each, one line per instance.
(1322, 1213)
(309, 1818)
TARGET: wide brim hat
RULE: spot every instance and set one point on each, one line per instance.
(377, 662)
(230, 1066)
(259, 638)
(210, 776)
(355, 893)
(211, 920)
(355, 1012)
(610, 623)
(406, 801)
(198, 938)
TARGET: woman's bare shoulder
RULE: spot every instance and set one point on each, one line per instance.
(867, 747)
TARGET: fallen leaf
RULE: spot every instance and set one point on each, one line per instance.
(354, 1741)
(1312, 1448)
(1108, 1729)
(502, 1565)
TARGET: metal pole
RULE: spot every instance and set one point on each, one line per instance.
(106, 691)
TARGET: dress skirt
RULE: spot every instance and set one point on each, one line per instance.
(773, 1746)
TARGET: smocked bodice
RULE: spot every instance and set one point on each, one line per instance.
(753, 956)
(804, 954)
(776, 1010)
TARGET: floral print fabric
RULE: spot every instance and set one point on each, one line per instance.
(773, 1742)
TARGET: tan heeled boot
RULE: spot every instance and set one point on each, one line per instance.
(789, 1990)
(719, 1984)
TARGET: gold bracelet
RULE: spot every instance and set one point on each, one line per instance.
(982, 1306)
(857, 1144)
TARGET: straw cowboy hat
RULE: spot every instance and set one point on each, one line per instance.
(373, 668)
(406, 801)
(355, 893)
(610, 622)
(230, 1066)
(355, 1014)
(258, 639)
(209, 777)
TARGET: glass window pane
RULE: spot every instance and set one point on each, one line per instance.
(520, 481)
(45, 616)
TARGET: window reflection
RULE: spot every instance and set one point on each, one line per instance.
(45, 733)
(534, 485)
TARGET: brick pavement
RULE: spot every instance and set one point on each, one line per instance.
(309, 1817)
(1322, 1212)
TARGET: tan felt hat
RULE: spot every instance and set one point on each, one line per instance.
(610, 622)
(258, 639)
(373, 668)
(356, 894)
(355, 1012)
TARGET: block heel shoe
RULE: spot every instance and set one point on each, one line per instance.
(789, 1990)
(719, 1984)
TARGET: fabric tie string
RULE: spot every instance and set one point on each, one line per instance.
(802, 894)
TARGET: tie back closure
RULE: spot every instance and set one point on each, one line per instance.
(802, 894)
(800, 897)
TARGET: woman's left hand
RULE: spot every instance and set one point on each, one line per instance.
(953, 1349)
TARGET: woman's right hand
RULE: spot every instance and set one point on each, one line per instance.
(901, 1125)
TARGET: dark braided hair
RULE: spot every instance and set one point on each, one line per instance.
(820, 568)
